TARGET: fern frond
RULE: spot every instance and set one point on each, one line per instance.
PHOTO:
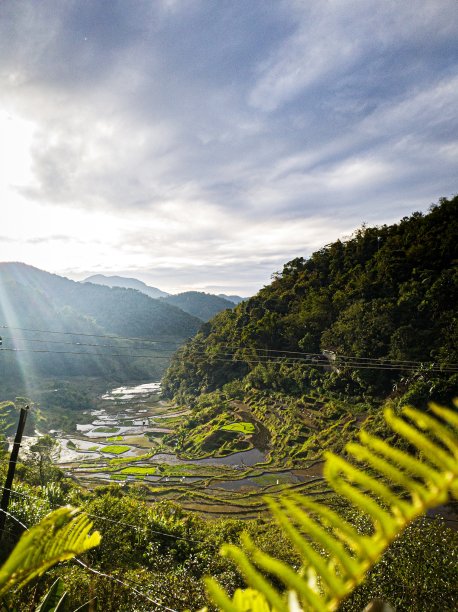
(60, 536)
(418, 484)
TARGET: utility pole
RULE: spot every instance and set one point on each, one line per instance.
(11, 469)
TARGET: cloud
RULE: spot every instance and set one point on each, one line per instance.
(222, 133)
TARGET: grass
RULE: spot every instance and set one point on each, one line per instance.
(115, 449)
(241, 426)
(106, 429)
(115, 439)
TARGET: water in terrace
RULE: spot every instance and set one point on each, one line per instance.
(121, 413)
(130, 412)
(244, 458)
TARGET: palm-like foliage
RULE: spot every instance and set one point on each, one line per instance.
(325, 580)
(60, 536)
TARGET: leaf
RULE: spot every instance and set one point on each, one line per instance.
(420, 484)
(53, 600)
(60, 536)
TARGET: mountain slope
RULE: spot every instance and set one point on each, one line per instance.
(32, 299)
(126, 283)
(388, 292)
(119, 311)
(202, 305)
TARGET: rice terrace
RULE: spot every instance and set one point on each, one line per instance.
(128, 439)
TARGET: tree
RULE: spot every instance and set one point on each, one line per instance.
(44, 453)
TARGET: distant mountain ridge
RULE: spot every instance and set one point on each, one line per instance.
(126, 283)
(196, 303)
(232, 298)
(202, 305)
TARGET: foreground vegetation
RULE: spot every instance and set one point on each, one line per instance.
(158, 553)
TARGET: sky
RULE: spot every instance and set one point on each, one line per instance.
(202, 144)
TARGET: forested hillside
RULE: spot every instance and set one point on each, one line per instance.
(389, 293)
(32, 299)
(198, 304)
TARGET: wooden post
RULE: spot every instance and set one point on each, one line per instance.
(11, 469)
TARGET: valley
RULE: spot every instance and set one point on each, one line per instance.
(128, 439)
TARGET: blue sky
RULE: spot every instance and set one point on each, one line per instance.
(199, 144)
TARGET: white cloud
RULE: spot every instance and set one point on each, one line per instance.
(190, 139)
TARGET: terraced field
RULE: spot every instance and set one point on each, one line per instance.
(127, 440)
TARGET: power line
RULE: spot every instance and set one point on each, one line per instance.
(105, 518)
(131, 588)
(77, 333)
(88, 353)
(41, 341)
(14, 518)
(337, 357)
(305, 354)
(323, 363)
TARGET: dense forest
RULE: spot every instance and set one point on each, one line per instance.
(389, 293)
(327, 344)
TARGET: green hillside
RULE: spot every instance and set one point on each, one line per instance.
(198, 304)
(388, 293)
(32, 299)
(299, 369)
(315, 354)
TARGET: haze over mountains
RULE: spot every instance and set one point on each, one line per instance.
(69, 313)
(73, 317)
(197, 303)
(202, 305)
(127, 283)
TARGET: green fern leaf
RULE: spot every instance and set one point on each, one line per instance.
(60, 536)
(420, 484)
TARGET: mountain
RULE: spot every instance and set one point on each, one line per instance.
(126, 283)
(199, 304)
(71, 316)
(232, 298)
(387, 293)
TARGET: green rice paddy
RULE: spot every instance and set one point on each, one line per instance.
(115, 449)
(140, 471)
(241, 426)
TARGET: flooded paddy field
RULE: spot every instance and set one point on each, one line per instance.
(123, 441)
